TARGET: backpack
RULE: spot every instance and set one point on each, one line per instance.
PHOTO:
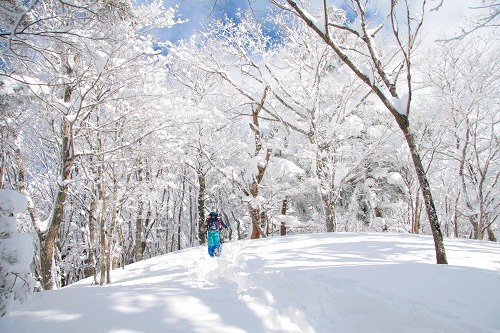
(213, 223)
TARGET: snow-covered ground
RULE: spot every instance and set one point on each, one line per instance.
(342, 282)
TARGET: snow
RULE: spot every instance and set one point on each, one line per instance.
(320, 24)
(12, 202)
(376, 132)
(368, 72)
(354, 125)
(342, 282)
(395, 178)
(401, 104)
(71, 118)
(16, 252)
(101, 60)
(286, 169)
(356, 26)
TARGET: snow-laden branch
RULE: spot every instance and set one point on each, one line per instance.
(221, 171)
(387, 100)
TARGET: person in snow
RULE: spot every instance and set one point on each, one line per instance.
(214, 226)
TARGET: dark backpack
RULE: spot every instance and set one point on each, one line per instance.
(213, 223)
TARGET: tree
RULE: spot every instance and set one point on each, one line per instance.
(320, 123)
(466, 85)
(317, 100)
(75, 76)
(381, 73)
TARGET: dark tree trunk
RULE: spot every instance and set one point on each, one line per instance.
(426, 191)
(181, 210)
(201, 208)
(283, 212)
(226, 219)
(491, 234)
(415, 218)
(138, 233)
(90, 269)
(48, 238)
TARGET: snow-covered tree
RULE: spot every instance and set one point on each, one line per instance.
(312, 131)
(381, 70)
(465, 85)
(16, 252)
(225, 53)
(97, 69)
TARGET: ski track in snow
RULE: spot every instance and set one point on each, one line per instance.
(373, 283)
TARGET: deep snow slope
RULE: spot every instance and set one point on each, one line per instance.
(341, 282)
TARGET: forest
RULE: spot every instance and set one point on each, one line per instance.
(308, 119)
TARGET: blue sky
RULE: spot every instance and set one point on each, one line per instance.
(197, 12)
(447, 19)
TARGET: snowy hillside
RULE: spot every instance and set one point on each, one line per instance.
(339, 282)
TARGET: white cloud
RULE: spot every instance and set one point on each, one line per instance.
(451, 18)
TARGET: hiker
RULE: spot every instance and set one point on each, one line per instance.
(214, 225)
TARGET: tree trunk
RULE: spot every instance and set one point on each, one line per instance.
(90, 265)
(426, 191)
(191, 217)
(122, 244)
(326, 182)
(226, 219)
(283, 213)
(391, 86)
(331, 224)
(138, 233)
(415, 216)
(102, 232)
(265, 222)
(455, 218)
(238, 226)
(261, 167)
(22, 189)
(172, 242)
(48, 238)
(147, 229)
(254, 191)
(255, 214)
(256, 230)
(491, 234)
(2, 164)
(166, 241)
(114, 217)
(475, 226)
(201, 208)
(181, 210)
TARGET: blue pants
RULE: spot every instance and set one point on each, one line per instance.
(213, 242)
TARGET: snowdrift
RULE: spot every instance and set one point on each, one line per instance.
(342, 282)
